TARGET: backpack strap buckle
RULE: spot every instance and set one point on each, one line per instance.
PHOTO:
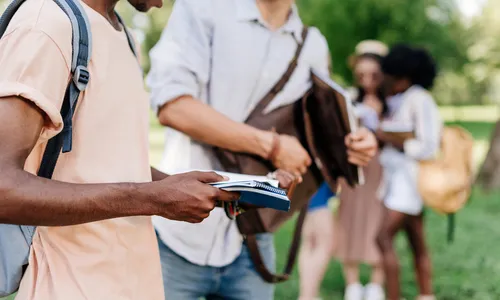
(81, 77)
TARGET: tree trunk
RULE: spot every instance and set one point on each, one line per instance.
(489, 175)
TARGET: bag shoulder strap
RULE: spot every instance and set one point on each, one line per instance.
(258, 262)
(278, 87)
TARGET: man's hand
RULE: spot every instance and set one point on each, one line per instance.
(287, 180)
(187, 197)
(291, 156)
(361, 146)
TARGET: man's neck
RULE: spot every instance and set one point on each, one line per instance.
(275, 12)
(106, 8)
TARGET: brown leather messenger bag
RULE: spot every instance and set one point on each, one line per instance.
(320, 121)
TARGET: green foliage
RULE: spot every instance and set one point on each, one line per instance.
(432, 24)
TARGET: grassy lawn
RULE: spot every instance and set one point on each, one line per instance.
(467, 269)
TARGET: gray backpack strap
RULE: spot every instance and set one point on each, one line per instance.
(15, 241)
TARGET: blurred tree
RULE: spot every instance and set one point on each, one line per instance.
(485, 75)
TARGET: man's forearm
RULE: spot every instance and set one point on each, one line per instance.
(203, 123)
(30, 200)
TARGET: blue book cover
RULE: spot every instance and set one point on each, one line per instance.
(257, 193)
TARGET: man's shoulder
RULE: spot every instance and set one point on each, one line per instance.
(316, 38)
(47, 17)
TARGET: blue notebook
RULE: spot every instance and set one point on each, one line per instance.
(257, 193)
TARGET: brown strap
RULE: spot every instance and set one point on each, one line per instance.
(259, 108)
(264, 272)
(259, 264)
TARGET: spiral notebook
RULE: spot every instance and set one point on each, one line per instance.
(259, 193)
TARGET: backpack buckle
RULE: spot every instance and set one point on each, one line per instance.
(81, 77)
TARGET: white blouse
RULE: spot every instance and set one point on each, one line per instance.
(417, 110)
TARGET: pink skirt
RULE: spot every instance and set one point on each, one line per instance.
(359, 218)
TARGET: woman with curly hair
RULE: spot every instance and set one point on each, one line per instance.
(408, 75)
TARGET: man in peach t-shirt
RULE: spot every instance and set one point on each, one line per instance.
(95, 239)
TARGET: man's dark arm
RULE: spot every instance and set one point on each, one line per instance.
(31, 200)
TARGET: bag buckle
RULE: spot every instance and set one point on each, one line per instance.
(81, 77)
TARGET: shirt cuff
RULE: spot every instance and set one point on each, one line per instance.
(17, 89)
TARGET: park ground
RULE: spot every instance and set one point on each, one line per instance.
(469, 268)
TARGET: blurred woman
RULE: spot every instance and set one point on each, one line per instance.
(409, 73)
(360, 211)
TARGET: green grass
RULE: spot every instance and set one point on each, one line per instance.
(467, 269)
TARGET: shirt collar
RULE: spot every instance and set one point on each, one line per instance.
(247, 10)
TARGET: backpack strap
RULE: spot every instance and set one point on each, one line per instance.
(80, 76)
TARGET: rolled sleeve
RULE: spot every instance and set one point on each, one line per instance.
(428, 125)
(180, 61)
(34, 69)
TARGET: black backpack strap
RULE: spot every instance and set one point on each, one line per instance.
(80, 78)
(81, 45)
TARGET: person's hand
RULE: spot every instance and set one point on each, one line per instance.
(291, 156)
(286, 179)
(187, 197)
(373, 102)
(361, 146)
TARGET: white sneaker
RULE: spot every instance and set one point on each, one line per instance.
(374, 292)
(354, 292)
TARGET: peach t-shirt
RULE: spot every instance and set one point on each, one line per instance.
(107, 260)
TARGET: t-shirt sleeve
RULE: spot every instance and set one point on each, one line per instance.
(34, 68)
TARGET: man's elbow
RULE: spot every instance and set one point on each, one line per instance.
(174, 111)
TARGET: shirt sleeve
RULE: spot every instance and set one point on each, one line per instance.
(321, 63)
(428, 125)
(180, 61)
(34, 69)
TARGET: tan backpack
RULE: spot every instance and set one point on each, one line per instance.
(445, 182)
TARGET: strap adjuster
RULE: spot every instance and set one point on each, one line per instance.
(81, 77)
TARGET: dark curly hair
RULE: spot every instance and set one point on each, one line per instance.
(415, 64)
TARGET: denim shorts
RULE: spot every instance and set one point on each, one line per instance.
(320, 198)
